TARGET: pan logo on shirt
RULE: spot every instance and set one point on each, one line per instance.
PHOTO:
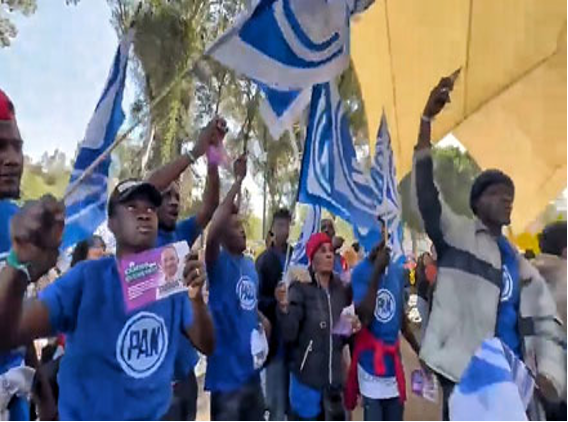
(246, 292)
(142, 345)
(385, 306)
(507, 288)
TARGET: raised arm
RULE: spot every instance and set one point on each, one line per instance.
(366, 308)
(439, 220)
(201, 332)
(36, 235)
(210, 197)
(212, 134)
(226, 208)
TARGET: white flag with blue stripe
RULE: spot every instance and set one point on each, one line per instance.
(331, 175)
(86, 206)
(311, 225)
(496, 385)
(383, 178)
(286, 46)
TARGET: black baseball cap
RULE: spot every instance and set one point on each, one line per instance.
(127, 188)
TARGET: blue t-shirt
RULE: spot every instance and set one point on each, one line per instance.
(387, 317)
(117, 365)
(508, 310)
(19, 407)
(233, 293)
(189, 231)
(7, 211)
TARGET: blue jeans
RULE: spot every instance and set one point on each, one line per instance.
(382, 409)
(276, 391)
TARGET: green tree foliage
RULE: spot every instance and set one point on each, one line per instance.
(172, 35)
(9, 8)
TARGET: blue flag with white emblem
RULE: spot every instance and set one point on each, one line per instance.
(86, 206)
(331, 175)
(495, 386)
(383, 179)
(286, 47)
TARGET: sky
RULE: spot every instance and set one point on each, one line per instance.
(55, 71)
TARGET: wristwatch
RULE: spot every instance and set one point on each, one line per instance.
(12, 261)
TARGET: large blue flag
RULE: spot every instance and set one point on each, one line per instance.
(331, 175)
(86, 206)
(287, 46)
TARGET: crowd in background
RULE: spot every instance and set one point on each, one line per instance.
(307, 342)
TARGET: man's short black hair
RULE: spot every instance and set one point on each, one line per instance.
(281, 214)
(552, 240)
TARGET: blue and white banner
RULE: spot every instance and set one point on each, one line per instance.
(496, 385)
(281, 109)
(331, 175)
(286, 46)
(86, 207)
(311, 225)
(383, 178)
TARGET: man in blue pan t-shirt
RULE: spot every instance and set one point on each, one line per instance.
(118, 365)
(170, 230)
(233, 371)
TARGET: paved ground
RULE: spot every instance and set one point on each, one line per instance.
(416, 407)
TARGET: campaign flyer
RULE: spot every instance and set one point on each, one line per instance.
(424, 385)
(152, 275)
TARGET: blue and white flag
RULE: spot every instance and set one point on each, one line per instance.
(331, 175)
(311, 225)
(281, 109)
(287, 46)
(383, 178)
(496, 385)
(86, 207)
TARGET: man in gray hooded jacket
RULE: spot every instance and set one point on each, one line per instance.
(484, 288)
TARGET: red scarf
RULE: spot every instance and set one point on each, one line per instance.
(366, 341)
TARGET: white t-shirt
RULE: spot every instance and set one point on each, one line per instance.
(374, 387)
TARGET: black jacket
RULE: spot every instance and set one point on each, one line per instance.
(270, 270)
(316, 354)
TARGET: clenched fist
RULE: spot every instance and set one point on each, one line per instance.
(36, 232)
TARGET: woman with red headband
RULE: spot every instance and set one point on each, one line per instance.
(309, 313)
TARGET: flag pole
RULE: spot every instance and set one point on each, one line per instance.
(89, 170)
(297, 153)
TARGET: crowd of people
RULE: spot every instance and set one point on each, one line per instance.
(281, 342)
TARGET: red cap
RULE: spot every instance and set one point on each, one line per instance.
(6, 108)
(314, 243)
